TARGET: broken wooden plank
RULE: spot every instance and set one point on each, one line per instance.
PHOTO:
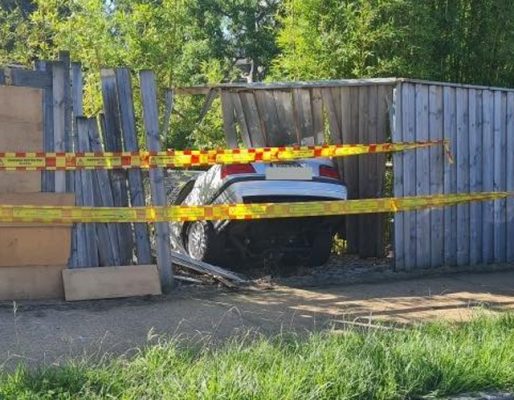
(162, 229)
(218, 273)
(136, 188)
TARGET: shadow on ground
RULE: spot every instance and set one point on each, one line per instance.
(50, 333)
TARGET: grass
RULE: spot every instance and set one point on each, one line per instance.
(434, 359)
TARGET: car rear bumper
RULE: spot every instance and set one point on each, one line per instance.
(240, 191)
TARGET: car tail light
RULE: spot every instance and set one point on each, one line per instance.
(236, 169)
(328, 172)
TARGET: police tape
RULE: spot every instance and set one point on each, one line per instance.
(38, 161)
(70, 214)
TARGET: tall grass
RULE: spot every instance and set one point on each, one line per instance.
(436, 359)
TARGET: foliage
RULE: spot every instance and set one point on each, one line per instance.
(434, 360)
(184, 42)
(468, 41)
(189, 42)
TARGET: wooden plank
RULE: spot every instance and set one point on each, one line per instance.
(409, 173)
(241, 119)
(136, 188)
(64, 57)
(384, 99)
(351, 167)
(368, 181)
(284, 104)
(333, 120)
(59, 73)
(87, 199)
(111, 282)
(28, 244)
(423, 244)
(204, 89)
(268, 112)
(113, 142)
(318, 126)
(510, 177)
(25, 77)
(21, 126)
(450, 176)
(303, 114)
(107, 233)
(500, 179)
(398, 184)
(77, 111)
(47, 177)
(151, 122)
(346, 127)
(31, 283)
(229, 120)
(251, 113)
(487, 176)
(462, 165)
(475, 174)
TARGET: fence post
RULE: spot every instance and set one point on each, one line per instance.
(162, 229)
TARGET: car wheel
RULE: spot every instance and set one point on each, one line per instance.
(321, 248)
(201, 241)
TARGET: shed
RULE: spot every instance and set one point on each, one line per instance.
(478, 122)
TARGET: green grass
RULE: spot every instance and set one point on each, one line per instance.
(436, 359)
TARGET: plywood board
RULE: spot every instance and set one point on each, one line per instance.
(35, 244)
(21, 129)
(31, 283)
(110, 282)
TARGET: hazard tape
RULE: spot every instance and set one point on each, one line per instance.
(70, 214)
(38, 161)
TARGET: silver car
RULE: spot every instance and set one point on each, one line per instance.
(284, 240)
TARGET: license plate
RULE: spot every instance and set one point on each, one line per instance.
(289, 172)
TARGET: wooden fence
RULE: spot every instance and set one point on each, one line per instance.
(480, 125)
(344, 111)
(64, 128)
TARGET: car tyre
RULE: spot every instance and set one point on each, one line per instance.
(321, 248)
(201, 242)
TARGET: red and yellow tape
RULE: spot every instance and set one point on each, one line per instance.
(38, 161)
(70, 214)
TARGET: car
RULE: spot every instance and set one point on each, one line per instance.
(305, 240)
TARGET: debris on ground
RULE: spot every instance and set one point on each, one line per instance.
(227, 278)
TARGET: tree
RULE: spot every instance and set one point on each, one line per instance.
(451, 40)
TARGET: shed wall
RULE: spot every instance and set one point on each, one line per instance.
(479, 124)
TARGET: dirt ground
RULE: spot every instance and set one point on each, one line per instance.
(51, 333)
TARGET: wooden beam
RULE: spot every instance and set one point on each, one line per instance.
(59, 117)
(39, 79)
(47, 177)
(89, 256)
(162, 229)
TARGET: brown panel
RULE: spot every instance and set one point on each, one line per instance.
(33, 244)
(111, 282)
(31, 283)
(21, 129)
